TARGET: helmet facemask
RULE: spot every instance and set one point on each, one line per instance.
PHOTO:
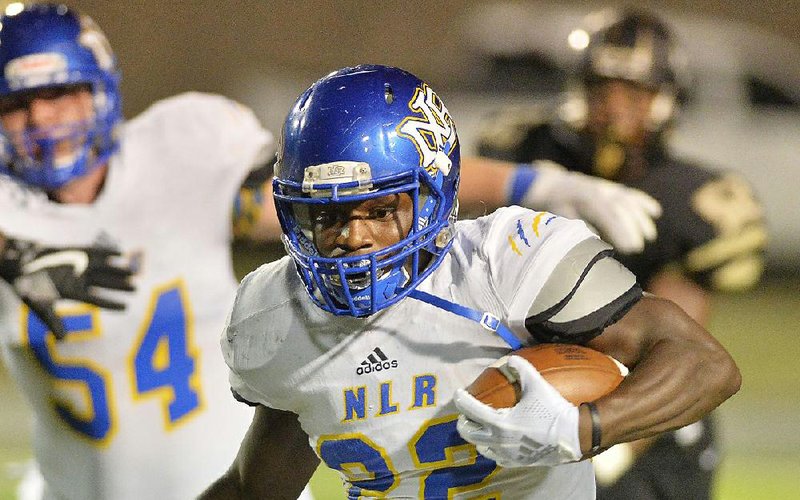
(49, 157)
(361, 285)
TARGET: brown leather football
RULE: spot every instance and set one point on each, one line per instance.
(579, 373)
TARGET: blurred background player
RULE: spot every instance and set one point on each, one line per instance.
(379, 268)
(134, 403)
(711, 235)
(623, 216)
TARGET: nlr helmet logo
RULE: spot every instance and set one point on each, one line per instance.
(433, 133)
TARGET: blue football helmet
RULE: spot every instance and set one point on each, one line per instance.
(49, 46)
(361, 133)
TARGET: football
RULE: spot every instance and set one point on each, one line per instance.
(579, 373)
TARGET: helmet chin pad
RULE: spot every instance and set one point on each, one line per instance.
(383, 280)
(360, 285)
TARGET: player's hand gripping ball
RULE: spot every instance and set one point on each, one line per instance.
(579, 373)
(523, 410)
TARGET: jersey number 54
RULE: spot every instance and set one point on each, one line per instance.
(162, 363)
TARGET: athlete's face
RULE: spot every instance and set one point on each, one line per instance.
(58, 113)
(59, 116)
(619, 111)
(351, 229)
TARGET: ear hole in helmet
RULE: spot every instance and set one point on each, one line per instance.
(388, 93)
(661, 110)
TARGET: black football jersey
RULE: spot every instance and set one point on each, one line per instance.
(712, 226)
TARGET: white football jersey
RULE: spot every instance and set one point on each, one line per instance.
(375, 394)
(135, 404)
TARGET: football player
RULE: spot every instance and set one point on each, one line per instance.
(711, 235)
(130, 404)
(361, 339)
(134, 388)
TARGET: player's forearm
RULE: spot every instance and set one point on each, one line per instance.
(274, 460)
(227, 486)
(682, 374)
(239, 483)
(257, 486)
(484, 184)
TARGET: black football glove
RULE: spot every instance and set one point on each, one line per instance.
(40, 276)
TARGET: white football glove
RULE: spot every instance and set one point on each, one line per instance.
(541, 429)
(623, 216)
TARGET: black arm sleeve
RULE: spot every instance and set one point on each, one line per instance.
(240, 399)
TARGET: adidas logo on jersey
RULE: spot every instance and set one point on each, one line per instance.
(375, 362)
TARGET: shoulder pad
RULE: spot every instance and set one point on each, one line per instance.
(733, 259)
(567, 276)
(586, 292)
(15, 193)
(728, 203)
